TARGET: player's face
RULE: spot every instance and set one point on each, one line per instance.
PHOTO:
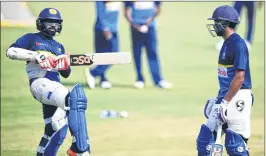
(217, 29)
(52, 26)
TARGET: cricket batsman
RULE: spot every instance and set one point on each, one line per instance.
(141, 16)
(232, 107)
(62, 108)
(105, 40)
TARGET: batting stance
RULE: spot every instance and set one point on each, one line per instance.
(105, 39)
(61, 108)
(141, 16)
(232, 107)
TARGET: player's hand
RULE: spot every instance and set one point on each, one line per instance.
(148, 22)
(45, 61)
(107, 34)
(61, 62)
(221, 112)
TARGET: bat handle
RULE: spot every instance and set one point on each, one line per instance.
(219, 134)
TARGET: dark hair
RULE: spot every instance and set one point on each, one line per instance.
(232, 25)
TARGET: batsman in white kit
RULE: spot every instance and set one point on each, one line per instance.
(62, 109)
(231, 109)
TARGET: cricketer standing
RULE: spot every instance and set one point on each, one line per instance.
(141, 16)
(62, 109)
(232, 106)
(105, 39)
(251, 12)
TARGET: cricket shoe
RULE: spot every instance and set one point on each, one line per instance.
(106, 85)
(139, 85)
(165, 85)
(71, 153)
(90, 80)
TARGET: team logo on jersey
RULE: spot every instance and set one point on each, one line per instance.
(38, 44)
(224, 53)
(223, 57)
(53, 11)
(240, 105)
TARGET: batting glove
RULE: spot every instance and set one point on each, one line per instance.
(62, 62)
(45, 61)
(209, 106)
(221, 112)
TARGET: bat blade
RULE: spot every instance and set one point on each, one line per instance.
(111, 58)
(100, 59)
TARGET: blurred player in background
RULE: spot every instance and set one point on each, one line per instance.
(232, 107)
(105, 39)
(61, 108)
(141, 16)
(251, 10)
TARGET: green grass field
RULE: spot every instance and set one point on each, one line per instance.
(160, 123)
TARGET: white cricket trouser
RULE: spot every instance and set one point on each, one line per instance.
(238, 113)
(49, 92)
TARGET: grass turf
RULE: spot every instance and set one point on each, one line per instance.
(160, 122)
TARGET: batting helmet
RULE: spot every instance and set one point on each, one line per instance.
(49, 22)
(223, 16)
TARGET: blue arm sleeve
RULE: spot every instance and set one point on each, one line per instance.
(101, 15)
(65, 73)
(23, 42)
(158, 3)
(240, 56)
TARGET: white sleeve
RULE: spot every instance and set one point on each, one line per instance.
(21, 54)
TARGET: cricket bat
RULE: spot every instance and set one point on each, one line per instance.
(100, 59)
(217, 148)
(108, 58)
